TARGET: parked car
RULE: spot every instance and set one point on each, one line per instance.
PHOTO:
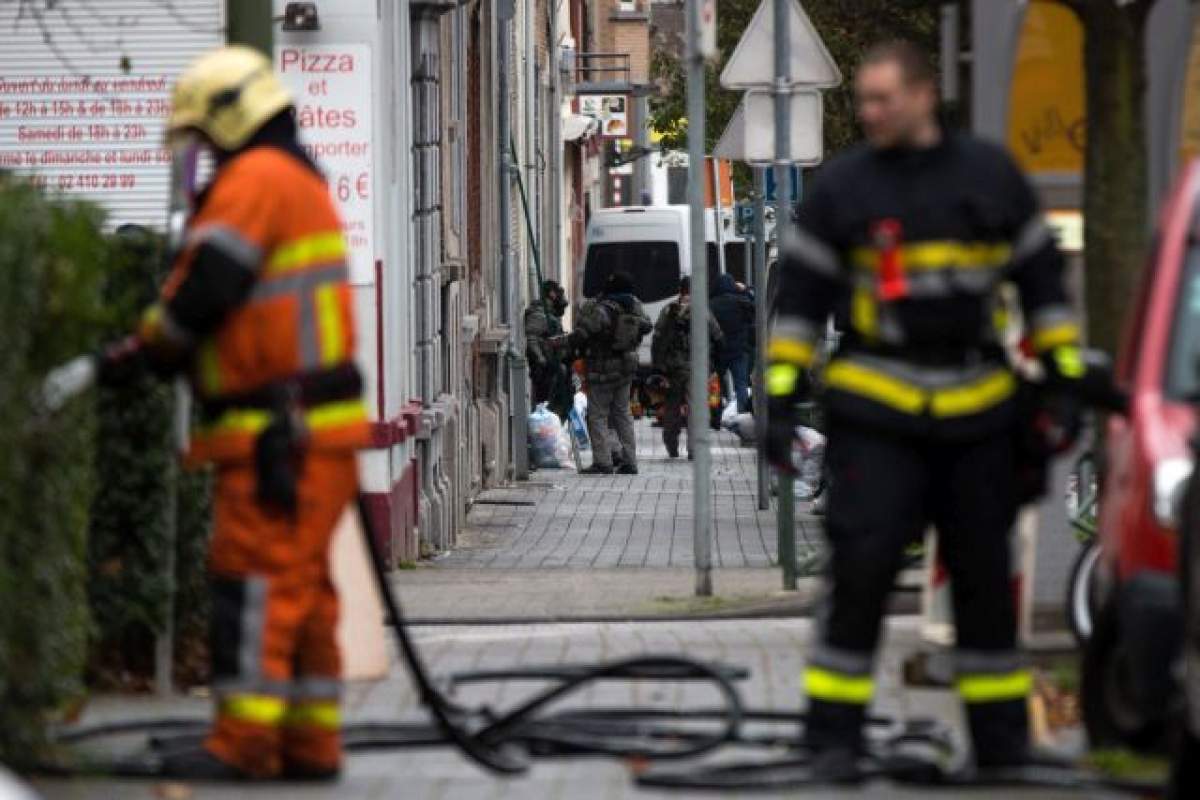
(1129, 685)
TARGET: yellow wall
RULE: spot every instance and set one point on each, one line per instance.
(1189, 137)
(1046, 107)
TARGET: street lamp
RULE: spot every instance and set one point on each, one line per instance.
(301, 17)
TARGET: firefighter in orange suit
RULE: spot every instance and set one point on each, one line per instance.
(258, 310)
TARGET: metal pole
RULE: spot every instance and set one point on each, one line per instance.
(555, 269)
(783, 127)
(249, 22)
(510, 286)
(760, 327)
(698, 391)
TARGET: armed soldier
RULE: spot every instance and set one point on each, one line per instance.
(545, 347)
(670, 352)
(608, 331)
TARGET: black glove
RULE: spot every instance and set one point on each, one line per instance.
(1057, 422)
(1086, 376)
(121, 362)
(779, 433)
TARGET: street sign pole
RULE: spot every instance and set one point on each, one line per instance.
(698, 391)
(760, 327)
(783, 126)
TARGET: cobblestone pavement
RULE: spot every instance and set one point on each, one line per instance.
(772, 649)
(563, 519)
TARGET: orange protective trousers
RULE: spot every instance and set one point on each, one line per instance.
(276, 665)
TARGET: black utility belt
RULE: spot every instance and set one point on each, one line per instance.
(301, 391)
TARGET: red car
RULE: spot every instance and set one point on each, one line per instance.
(1128, 672)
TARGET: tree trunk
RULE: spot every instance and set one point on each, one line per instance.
(1114, 205)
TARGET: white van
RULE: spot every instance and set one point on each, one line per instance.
(650, 243)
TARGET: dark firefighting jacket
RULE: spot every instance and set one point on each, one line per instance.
(908, 250)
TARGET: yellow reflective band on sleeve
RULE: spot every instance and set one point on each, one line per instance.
(781, 379)
(1000, 320)
(995, 688)
(254, 708)
(939, 255)
(315, 249)
(1069, 362)
(823, 684)
(314, 714)
(792, 351)
(329, 324)
(332, 415)
(150, 325)
(240, 420)
(975, 397)
(209, 368)
(1056, 336)
(864, 314)
(876, 386)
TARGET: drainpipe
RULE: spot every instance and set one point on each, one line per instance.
(554, 113)
(518, 385)
(530, 149)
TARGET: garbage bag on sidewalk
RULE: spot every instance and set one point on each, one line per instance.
(729, 415)
(741, 425)
(808, 456)
(576, 422)
(545, 430)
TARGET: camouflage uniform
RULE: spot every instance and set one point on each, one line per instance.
(545, 348)
(670, 352)
(609, 377)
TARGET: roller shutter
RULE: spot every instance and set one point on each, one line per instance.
(85, 89)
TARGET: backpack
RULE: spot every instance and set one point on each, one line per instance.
(674, 337)
(626, 331)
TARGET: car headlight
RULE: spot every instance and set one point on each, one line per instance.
(1170, 481)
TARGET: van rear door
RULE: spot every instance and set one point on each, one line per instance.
(653, 265)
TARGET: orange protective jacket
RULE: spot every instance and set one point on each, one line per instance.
(260, 297)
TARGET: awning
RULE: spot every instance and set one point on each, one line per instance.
(578, 126)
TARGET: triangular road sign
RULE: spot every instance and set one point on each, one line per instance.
(753, 62)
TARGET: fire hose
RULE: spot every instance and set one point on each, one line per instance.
(506, 742)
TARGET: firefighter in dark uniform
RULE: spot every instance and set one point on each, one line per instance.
(909, 238)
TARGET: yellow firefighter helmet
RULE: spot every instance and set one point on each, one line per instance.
(227, 95)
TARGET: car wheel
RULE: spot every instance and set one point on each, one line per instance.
(1110, 710)
(1083, 592)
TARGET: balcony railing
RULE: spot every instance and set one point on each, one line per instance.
(601, 68)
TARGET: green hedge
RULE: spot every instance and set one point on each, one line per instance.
(52, 263)
(86, 496)
(131, 585)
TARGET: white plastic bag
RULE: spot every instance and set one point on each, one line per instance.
(576, 418)
(808, 456)
(744, 426)
(729, 416)
(544, 432)
(562, 450)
